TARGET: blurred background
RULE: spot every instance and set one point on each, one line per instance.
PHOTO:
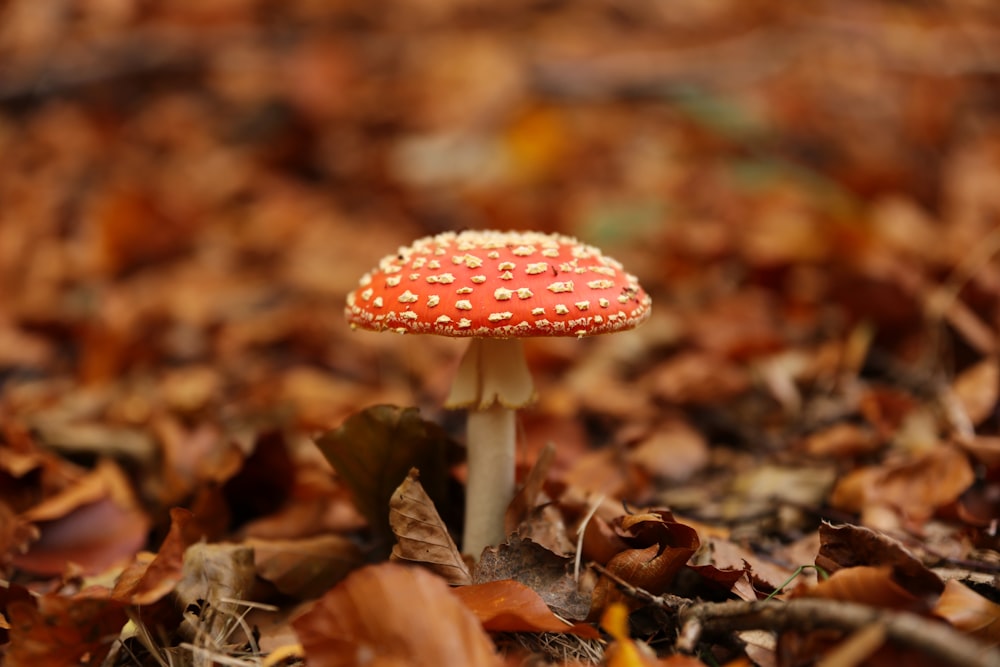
(188, 190)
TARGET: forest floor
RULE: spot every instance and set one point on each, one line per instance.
(795, 460)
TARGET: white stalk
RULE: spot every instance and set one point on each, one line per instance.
(492, 382)
(490, 486)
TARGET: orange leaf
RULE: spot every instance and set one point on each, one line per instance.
(148, 579)
(95, 523)
(976, 389)
(650, 569)
(969, 611)
(390, 614)
(916, 487)
(872, 586)
(307, 566)
(510, 606)
(58, 630)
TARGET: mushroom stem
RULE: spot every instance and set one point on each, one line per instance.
(490, 486)
(492, 382)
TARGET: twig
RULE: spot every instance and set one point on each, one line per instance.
(933, 638)
(698, 620)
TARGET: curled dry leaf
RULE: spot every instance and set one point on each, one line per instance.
(985, 449)
(94, 524)
(969, 611)
(390, 614)
(538, 568)
(421, 536)
(15, 533)
(147, 579)
(61, 630)
(527, 498)
(656, 548)
(674, 451)
(307, 567)
(841, 439)
(601, 542)
(652, 569)
(510, 606)
(850, 546)
(916, 487)
(373, 450)
(872, 586)
(976, 389)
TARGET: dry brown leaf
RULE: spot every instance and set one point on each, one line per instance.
(652, 569)
(149, 577)
(976, 389)
(61, 630)
(93, 524)
(674, 451)
(969, 611)
(601, 542)
(510, 606)
(916, 486)
(850, 546)
(841, 439)
(421, 536)
(307, 567)
(873, 586)
(538, 568)
(985, 449)
(603, 471)
(527, 497)
(393, 615)
(730, 559)
(698, 378)
(15, 533)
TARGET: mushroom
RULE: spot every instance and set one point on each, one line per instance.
(495, 288)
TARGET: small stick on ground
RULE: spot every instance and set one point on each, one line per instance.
(699, 620)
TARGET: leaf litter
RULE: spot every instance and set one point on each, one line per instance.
(200, 463)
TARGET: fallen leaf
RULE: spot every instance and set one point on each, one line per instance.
(538, 568)
(149, 578)
(674, 451)
(94, 524)
(695, 377)
(985, 449)
(526, 498)
(421, 536)
(264, 482)
(916, 486)
(850, 546)
(510, 606)
(15, 533)
(306, 567)
(373, 450)
(651, 569)
(390, 614)
(61, 630)
(976, 389)
(841, 439)
(873, 586)
(969, 611)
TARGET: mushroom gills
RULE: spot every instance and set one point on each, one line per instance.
(492, 371)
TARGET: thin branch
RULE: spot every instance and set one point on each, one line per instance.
(933, 638)
(698, 620)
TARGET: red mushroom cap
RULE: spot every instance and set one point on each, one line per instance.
(495, 284)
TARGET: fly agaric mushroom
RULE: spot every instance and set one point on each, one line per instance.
(495, 288)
